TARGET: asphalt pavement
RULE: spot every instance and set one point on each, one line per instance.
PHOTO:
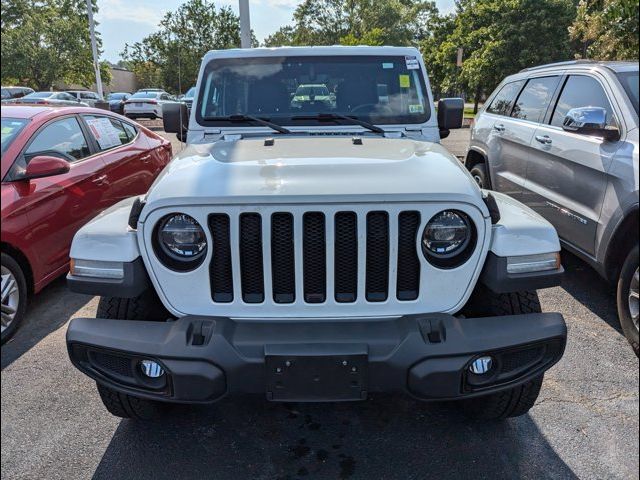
(584, 425)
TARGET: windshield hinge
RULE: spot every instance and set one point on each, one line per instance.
(232, 137)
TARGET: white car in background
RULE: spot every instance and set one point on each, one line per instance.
(90, 98)
(147, 104)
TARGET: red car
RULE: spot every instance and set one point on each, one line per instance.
(60, 167)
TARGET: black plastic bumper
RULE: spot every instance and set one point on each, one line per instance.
(427, 356)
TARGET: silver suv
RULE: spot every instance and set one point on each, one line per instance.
(563, 139)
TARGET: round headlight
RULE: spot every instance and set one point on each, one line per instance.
(447, 236)
(181, 240)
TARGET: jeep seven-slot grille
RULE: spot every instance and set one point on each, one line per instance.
(322, 236)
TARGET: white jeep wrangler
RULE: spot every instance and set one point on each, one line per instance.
(316, 248)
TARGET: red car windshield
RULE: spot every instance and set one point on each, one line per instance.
(11, 127)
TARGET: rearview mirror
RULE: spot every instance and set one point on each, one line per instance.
(175, 117)
(590, 121)
(45, 166)
(450, 113)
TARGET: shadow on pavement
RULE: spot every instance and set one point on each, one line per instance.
(383, 438)
(47, 311)
(588, 288)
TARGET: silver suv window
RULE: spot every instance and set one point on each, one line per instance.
(503, 101)
(581, 91)
(534, 100)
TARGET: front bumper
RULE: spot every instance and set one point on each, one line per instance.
(427, 356)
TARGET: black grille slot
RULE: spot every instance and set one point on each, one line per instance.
(314, 257)
(220, 267)
(251, 258)
(112, 364)
(346, 257)
(408, 282)
(282, 258)
(521, 358)
(377, 276)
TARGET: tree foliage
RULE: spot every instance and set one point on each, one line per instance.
(607, 29)
(499, 37)
(170, 57)
(47, 41)
(356, 22)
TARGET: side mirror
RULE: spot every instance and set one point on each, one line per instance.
(45, 166)
(175, 117)
(590, 121)
(450, 113)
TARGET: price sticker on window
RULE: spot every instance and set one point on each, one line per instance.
(412, 62)
(104, 132)
(405, 81)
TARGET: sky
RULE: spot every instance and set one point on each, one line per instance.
(129, 21)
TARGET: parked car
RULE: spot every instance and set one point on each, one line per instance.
(49, 98)
(563, 139)
(147, 104)
(61, 167)
(15, 92)
(90, 98)
(316, 257)
(117, 100)
(310, 96)
(187, 98)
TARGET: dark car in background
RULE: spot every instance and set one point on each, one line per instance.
(50, 98)
(117, 100)
(8, 93)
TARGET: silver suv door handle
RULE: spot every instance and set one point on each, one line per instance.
(499, 128)
(544, 139)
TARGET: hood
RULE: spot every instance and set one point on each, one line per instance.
(313, 169)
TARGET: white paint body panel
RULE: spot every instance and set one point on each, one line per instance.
(107, 237)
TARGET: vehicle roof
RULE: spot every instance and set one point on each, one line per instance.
(333, 50)
(33, 111)
(15, 86)
(616, 66)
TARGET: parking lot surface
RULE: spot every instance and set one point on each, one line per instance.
(585, 423)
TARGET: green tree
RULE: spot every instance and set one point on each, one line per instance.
(170, 58)
(47, 41)
(501, 37)
(356, 22)
(607, 29)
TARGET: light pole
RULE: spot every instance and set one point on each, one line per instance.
(94, 48)
(245, 24)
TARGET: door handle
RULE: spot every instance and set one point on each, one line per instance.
(544, 139)
(146, 158)
(100, 180)
(499, 128)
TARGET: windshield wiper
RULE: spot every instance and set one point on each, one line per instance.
(337, 116)
(241, 118)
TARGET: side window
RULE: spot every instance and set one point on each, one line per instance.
(66, 96)
(164, 96)
(503, 101)
(63, 138)
(131, 130)
(581, 91)
(534, 100)
(107, 132)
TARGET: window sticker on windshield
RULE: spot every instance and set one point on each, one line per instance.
(105, 133)
(412, 62)
(417, 108)
(387, 65)
(405, 81)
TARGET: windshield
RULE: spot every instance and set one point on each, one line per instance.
(145, 95)
(10, 129)
(40, 95)
(116, 96)
(629, 81)
(293, 90)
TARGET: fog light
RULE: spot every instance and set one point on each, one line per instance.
(481, 365)
(151, 369)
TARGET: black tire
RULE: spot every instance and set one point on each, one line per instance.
(506, 404)
(14, 268)
(516, 401)
(126, 406)
(627, 273)
(143, 307)
(479, 173)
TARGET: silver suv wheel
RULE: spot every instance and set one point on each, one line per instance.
(10, 298)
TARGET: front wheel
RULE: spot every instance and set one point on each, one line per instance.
(14, 297)
(627, 296)
(125, 406)
(506, 404)
(479, 174)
